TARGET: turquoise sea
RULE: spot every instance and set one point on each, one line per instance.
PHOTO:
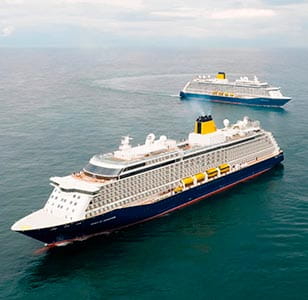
(58, 107)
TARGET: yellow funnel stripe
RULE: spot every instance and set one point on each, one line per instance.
(205, 127)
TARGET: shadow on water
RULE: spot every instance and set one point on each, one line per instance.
(142, 243)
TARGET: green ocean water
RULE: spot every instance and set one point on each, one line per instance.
(58, 107)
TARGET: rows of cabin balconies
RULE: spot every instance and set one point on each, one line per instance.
(139, 186)
(103, 207)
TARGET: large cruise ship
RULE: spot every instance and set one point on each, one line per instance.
(136, 184)
(241, 91)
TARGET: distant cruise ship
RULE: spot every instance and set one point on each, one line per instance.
(240, 91)
(136, 184)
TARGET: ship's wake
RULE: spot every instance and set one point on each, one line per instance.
(158, 84)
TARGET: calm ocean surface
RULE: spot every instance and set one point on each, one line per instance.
(59, 107)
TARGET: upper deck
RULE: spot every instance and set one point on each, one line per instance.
(243, 81)
(128, 159)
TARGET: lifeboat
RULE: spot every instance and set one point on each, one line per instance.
(224, 168)
(212, 172)
(178, 189)
(199, 177)
(187, 181)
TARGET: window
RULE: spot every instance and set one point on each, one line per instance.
(103, 171)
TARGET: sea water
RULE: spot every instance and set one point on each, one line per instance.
(58, 107)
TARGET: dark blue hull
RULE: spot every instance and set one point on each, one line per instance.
(261, 101)
(124, 217)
